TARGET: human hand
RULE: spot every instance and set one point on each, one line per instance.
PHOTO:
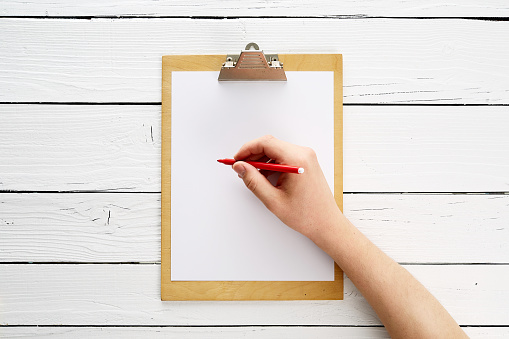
(305, 203)
(302, 201)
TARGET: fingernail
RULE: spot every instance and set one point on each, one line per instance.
(240, 169)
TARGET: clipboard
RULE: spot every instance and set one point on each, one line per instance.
(245, 290)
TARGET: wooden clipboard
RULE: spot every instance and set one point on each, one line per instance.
(246, 290)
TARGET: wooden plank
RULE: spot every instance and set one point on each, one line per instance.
(397, 149)
(225, 332)
(392, 8)
(117, 227)
(80, 227)
(386, 149)
(129, 294)
(434, 228)
(54, 148)
(198, 332)
(385, 61)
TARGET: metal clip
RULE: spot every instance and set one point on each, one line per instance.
(252, 65)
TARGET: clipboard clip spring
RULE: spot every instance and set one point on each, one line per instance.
(252, 65)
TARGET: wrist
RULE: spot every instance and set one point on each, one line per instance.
(328, 234)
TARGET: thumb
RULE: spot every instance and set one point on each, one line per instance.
(256, 182)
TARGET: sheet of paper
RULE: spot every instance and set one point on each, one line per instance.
(219, 230)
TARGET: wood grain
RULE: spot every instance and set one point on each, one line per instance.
(99, 295)
(444, 149)
(80, 227)
(56, 148)
(358, 8)
(125, 227)
(106, 60)
(385, 61)
(225, 332)
(202, 332)
(434, 228)
(386, 149)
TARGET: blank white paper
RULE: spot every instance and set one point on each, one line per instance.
(219, 230)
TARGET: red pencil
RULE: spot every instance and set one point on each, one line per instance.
(267, 166)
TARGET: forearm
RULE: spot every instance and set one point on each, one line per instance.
(305, 203)
(403, 305)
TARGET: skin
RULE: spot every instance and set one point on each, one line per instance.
(305, 203)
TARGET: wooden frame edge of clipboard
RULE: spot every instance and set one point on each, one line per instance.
(246, 290)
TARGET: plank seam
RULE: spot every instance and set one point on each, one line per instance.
(80, 263)
(159, 104)
(434, 193)
(197, 326)
(157, 263)
(82, 103)
(237, 17)
(226, 326)
(119, 191)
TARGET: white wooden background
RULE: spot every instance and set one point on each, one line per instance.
(426, 153)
